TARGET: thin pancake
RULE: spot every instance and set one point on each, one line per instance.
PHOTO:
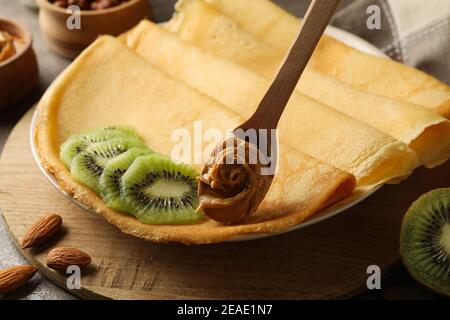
(108, 84)
(277, 28)
(306, 125)
(425, 131)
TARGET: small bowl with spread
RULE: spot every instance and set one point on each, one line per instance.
(18, 64)
(69, 26)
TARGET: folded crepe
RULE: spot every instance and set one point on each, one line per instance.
(108, 84)
(277, 28)
(425, 131)
(306, 125)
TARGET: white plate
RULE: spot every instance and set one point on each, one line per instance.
(345, 37)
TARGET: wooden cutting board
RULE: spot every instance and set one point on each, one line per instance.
(327, 260)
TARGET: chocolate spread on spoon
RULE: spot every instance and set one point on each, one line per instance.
(231, 185)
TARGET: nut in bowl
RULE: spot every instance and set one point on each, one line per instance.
(18, 65)
(95, 18)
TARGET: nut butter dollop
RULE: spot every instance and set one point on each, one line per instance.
(231, 185)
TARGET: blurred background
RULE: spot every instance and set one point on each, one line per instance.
(414, 32)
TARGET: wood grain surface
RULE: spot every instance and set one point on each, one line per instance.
(327, 260)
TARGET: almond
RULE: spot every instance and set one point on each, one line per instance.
(61, 258)
(42, 231)
(15, 277)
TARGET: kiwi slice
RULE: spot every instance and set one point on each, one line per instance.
(160, 191)
(80, 142)
(110, 179)
(88, 166)
(425, 240)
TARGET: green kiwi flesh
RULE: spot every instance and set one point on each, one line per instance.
(80, 142)
(87, 167)
(160, 191)
(110, 179)
(425, 240)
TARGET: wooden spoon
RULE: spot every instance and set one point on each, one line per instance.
(268, 115)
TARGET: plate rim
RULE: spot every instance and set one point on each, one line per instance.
(327, 213)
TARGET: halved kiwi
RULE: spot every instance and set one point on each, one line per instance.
(425, 240)
(160, 191)
(110, 179)
(88, 166)
(80, 142)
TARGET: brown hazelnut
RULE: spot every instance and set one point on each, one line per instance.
(61, 3)
(83, 4)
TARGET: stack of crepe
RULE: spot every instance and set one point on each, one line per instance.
(345, 131)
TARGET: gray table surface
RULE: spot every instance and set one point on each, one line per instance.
(396, 285)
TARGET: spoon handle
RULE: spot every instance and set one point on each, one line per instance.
(272, 105)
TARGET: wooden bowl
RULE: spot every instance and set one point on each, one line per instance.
(112, 21)
(18, 74)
